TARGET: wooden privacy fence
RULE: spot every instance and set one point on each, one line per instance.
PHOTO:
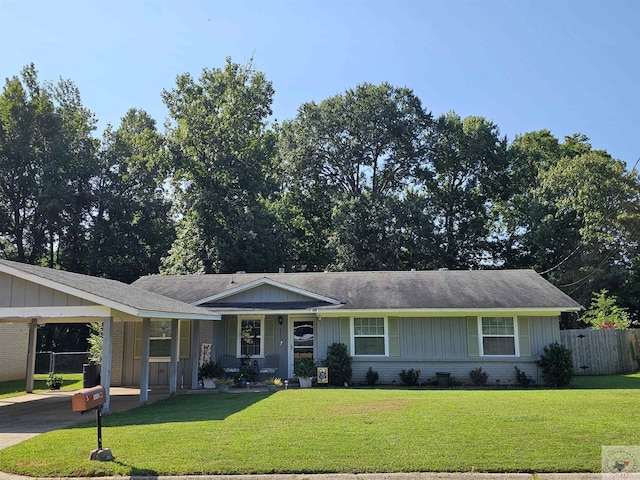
(602, 352)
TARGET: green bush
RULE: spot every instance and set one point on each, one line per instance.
(305, 368)
(210, 370)
(522, 378)
(54, 382)
(410, 377)
(556, 365)
(371, 377)
(478, 377)
(339, 363)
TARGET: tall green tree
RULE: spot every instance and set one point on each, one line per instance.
(130, 223)
(46, 164)
(466, 176)
(346, 162)
(570, 216)
(223, 152)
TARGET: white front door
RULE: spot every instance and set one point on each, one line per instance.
(303, 339)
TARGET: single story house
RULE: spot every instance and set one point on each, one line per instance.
(159, 329)
(431, 321)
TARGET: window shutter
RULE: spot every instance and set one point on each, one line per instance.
(232, 337)
(137, 341)
(394, 336)
(524, 336)
(473, 348)
(345, 333)
(269, 336)
(185, 338)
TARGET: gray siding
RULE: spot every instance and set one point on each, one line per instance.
(16, 292)
(264, 293)
(434, 344)
(429, 344)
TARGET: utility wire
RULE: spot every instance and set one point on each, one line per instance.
(594, 273)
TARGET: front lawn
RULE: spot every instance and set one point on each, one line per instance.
(13, 388)
(349, 430)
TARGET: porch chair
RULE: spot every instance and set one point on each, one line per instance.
(269, 367)
(229, 365)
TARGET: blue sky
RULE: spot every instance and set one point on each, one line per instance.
(568, 66)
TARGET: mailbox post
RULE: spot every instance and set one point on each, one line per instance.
(86, 400)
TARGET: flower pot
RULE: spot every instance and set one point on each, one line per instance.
(223, 388)
(271, 387)
(305, 382)
(208, 383)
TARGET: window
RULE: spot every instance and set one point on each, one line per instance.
(369, 336)
(250, 337)
(498, 336)
(160, 340)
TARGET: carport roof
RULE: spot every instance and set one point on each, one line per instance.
(130, 300)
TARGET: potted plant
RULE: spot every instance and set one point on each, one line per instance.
(223, 384)
(272, 384)
(208, 371)
(304, 369)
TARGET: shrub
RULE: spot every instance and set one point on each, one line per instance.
(372, 377)
(556, 365)
(339, 364)
(522, 378)
(478, 377)
(54, 382)
(410, 378)
(304, 367)
(210, 370)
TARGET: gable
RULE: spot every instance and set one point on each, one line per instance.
(16, 292)
(263, 294)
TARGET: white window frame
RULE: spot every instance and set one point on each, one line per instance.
(515, 336)
(260, 318)
(385, 336)
(166, 339)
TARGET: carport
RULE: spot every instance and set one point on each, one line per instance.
(38, 295)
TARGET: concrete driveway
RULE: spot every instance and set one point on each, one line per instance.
(29, 415)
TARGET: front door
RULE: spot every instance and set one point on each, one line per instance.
(302, 339)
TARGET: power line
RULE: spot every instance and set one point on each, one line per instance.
(595, 272)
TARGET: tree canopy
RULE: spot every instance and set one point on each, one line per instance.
(368, 179)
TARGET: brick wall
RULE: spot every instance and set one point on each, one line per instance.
(13, 354)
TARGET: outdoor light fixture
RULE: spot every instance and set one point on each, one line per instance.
(280, 319)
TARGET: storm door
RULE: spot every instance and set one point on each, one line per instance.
(303, 340)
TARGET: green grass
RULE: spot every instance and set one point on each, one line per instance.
(13, 388)
(350, 430)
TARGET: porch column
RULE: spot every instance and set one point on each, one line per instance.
(107, 355)
(144, 361)
(31, 354)
(195, 352)
(173, 364)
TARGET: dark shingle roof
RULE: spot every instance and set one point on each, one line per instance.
(483, 289)
(110, 292)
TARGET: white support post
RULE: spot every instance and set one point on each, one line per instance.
(107, 356)
(173, 365)
(144, 362)
(195, 352)
(31, 354)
